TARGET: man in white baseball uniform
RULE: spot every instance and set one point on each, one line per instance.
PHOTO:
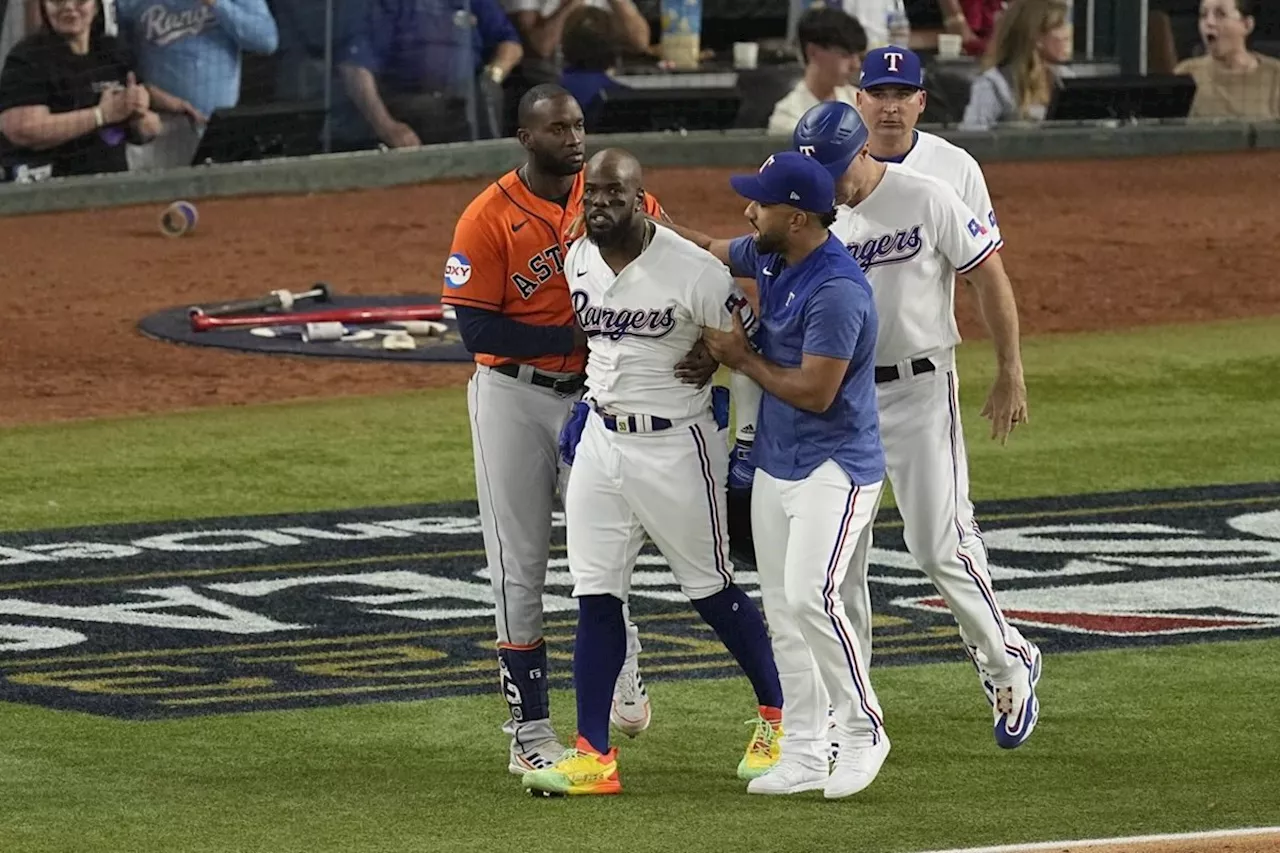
(647, 457)
(913, 235)
(891, 100)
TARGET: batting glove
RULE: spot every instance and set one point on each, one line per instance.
(741, 471)
(571, 432)
(720, 406)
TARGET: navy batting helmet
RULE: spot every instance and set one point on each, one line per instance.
(832, 133)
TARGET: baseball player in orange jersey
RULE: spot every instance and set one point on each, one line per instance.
(505, 279)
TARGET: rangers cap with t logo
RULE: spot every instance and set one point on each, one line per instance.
(891, 66)
(791, 178)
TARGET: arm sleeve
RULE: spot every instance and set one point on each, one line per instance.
(978, 199)
(744, 259)
(475, 275)
(715, 297)
(494, 25)
(23, 83)
(493, 333)
(958, 233)
(833, 319)
(249, 23)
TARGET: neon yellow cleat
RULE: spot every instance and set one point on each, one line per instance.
(580, 770)
(765, 747)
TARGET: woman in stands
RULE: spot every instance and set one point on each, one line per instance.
(69, 98)
(1023, 64)
(1231, 80)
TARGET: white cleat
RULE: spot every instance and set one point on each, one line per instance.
(856, 768)
(538, 757)
(788, 777)
(631, 711)
(1017, 708)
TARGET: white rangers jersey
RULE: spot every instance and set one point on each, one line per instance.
(911, 236)
(642, 322)
(951, 164)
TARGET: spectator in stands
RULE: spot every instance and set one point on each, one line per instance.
(543, 23)
(973, 20)
(1023, 63)
(831, 45)
(191, 49)
(1231, 80)
(69, 98)
(875, 17)
(410, 66)
(590, 55)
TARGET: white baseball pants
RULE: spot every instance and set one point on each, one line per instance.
(928, 468)
(669, 484)
(805, 532)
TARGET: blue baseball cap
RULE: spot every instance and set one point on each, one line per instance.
(833, 133)
(891, 66)
(789, 177)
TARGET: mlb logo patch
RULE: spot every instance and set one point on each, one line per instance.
(457, 270)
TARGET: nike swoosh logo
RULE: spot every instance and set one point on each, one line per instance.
(516, 226)
(767, 271)
(582, 272)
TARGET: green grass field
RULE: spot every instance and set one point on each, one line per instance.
(1158, 740)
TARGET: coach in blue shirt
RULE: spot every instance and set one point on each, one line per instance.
(819, 466)
(409, 65)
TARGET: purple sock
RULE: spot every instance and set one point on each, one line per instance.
(737, 622)
(598, 654)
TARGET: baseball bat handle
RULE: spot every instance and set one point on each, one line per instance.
(204, 322)
(275, 299)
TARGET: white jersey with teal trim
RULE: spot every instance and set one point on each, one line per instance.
(912, 235)
(936, 157)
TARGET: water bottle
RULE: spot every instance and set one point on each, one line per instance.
(899, 27)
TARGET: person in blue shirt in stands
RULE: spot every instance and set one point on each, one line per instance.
(409, 67)
(192, 50)
(819, 467)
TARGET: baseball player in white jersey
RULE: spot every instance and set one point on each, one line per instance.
(891, 100)
(913, 235)
(647, 457)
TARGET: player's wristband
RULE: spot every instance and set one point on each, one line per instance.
(98, 118)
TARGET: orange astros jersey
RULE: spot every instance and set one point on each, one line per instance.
(508, 256)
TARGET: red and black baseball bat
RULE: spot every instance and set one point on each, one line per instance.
(386, 314)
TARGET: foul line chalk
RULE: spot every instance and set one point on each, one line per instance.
(1108, 842)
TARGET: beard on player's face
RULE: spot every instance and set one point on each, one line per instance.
(770, 236)
(609, 227)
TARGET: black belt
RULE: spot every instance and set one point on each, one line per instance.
(544, 380)
(633, 423)
(918, 366)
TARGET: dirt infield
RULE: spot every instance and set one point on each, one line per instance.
(1091, 245)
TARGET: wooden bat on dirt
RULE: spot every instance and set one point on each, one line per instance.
(386, 314)
(283, 299)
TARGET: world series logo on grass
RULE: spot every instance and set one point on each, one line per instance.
(396, 603)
